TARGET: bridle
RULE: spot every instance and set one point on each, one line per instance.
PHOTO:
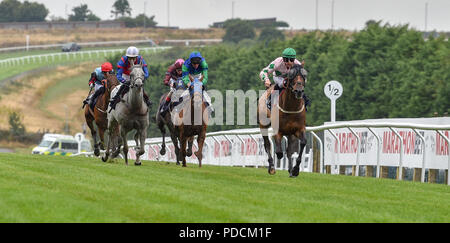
(291, 83)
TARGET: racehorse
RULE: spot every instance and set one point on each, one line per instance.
(192, 121)
(166, 121)
(288, 118)
(99, 113)
(131, 113)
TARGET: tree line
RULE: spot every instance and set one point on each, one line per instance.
(15, 11)
(386, 72)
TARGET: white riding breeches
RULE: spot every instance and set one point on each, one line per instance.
(126, 77)
(279, 81)
(97, 86)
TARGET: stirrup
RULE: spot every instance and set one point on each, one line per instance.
(269, 103)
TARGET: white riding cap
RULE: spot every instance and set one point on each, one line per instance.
(132, 51)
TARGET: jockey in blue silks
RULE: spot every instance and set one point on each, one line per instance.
(124, 65)
(196, 67)
(96, 81)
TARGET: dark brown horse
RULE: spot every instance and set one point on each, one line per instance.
(99, 113)
(166, 121)
(288, 118)
(192, 121)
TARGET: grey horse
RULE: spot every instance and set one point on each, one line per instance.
(131, 113)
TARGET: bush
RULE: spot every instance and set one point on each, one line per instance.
(16, 129)
(269, 34)
(237, 30)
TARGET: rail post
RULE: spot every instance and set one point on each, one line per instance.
(320, 151)
(337, 153)
(243, 143)
(358, 150)
(448, 151)
(400, 164)
(229, 141)
(422, 138)
(257, 152)
(217, 141)
(378, 149)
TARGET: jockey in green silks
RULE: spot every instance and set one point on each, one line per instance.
(196, 67)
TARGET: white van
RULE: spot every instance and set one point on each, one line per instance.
(58, 144)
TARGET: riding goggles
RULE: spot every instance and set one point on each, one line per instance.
(196, 60)
(286, 59)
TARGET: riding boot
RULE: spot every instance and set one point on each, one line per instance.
(116, 99)
(165, 106)
(274, 96)
(94, 97)
(307, 101)
(147, 101)
(207, 100)
(86, 101)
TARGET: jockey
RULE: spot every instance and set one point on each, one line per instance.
(124, 65)
(196, 67)
(174, 72)
(279, 68)
(97, 76)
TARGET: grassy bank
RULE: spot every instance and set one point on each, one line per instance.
(75, 189)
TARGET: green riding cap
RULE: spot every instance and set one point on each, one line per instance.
(289, 53)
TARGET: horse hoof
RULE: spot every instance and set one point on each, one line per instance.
(137, 164)
(295, 172)
(188, 153)
(104, 159)
(163, 151)
(178, 163)
(97, 152)
(272, 170)
(184, 165)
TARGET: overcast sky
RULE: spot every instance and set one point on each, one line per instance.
(299, 14)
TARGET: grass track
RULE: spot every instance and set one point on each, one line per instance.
(70, 189)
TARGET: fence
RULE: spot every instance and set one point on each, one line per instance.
(96, 43)
(67, 56)
(245, 147)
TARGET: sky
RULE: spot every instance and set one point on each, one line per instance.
(299, 14)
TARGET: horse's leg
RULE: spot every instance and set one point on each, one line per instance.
(176, 145)
(136, 140)
(271, 169)
(108, 143)
(142, 136)
(292, 148)
(101, 131)
(278, 149)
(296, 169)
(90, 123)
(117, 143)
(163, 145)
(189, 148)
(183, 149)
(200, 142)
(123, 134)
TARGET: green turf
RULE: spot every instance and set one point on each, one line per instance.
(77, 189)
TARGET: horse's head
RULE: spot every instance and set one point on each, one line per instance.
(296, 79)
(137, 77)
(111, 82)
(197, 93)
(179, 84)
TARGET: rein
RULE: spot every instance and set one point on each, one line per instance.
(290, 86)
(291, 112)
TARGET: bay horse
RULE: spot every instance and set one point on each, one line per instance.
(287, 118)
(131, 113)
(98, 115)
(192, 121)
(165, 121)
